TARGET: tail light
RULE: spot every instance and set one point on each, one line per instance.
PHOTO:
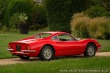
(10, 46)
(28, 48)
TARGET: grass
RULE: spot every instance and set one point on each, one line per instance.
(105, 45)
(60, 66)
(5, 38)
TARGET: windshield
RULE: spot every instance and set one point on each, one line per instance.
(42, 35)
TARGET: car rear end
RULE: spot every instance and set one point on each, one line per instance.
(21, 49)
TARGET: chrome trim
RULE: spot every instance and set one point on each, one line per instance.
(10, 49)
(28, 50)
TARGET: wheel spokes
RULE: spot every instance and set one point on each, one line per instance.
(90, 50)
(47, 53)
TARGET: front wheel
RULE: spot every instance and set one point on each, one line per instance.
(46, 53)
(90, 50)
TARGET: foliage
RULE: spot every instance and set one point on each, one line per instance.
(59, 12)
(15, 6)
(96, 11)
(3, 29)
(17, 18)
(107, 14)
(106, 4)
(2, 6)
(100, 28)
(79, 25)
(39, 17)
(84, 26)
(22, 18)
(80, 5)
(95, 2)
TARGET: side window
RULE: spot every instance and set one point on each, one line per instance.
(65, 37)
(55, 38)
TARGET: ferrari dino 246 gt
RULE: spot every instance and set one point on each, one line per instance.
(47, 45)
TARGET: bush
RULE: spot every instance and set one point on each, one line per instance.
(84, 26)
(100, 28)
(16, 19)
(79, 25)
(96, 11)
(39, 17)
(107, 14)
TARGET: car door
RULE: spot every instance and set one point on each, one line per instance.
(69, 45)
(74, 47)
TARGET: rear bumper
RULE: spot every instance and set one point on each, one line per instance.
(22, 52)
(10, 49)
(19, 53)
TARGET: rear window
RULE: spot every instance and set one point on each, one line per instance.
(42, 35)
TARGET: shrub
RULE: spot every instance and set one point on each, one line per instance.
(16, 19)
(107, 14)
(100, 28)
(84, 26)
(79, 25)
(96, 11)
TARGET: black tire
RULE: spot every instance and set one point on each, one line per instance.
(46, 53)
(24, 57)
(90, 50)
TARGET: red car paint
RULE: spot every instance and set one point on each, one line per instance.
(31, 46)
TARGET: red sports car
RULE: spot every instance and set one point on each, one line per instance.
(47, 45)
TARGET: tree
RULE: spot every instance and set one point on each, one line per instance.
(39, 18)
(106, 4)
(59, 12)
(96, 11)
(2, 4)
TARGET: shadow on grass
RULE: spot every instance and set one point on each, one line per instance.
(56, 58)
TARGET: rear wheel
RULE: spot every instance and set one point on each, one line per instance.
(90, 50)
(46, 53)
(24, 57)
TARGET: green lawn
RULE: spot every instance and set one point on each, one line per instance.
(63, 65)
(5, 38)
(105, 45)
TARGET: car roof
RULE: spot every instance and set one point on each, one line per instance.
(55, 32)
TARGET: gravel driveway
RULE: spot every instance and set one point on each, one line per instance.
(18, 60)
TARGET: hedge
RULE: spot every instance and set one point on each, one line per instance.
(83, 26)
(59, 12)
